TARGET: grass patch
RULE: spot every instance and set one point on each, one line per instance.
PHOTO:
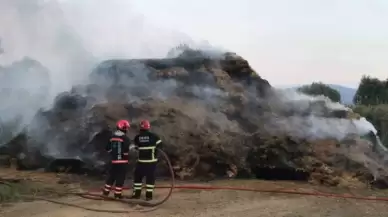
(16, 191)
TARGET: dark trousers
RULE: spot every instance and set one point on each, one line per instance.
(117, 173)
(142, 170)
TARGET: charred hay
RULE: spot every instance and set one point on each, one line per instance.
(209, 111)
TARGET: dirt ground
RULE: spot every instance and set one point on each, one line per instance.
(209, 203)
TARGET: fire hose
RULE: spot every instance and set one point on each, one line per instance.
(89, 195)
(172, 186)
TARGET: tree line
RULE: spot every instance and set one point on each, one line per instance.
(371, 91)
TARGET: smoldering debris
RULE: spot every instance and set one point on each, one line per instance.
(210, 126)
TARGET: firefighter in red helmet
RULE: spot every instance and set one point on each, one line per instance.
(118, 147)
(146, 143)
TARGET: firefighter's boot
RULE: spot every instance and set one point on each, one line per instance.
(118, 196)
(136, 194)
(105, 193)
(106, 190)
(148, 195)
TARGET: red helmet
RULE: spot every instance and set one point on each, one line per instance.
(145, 125)
(122, 125)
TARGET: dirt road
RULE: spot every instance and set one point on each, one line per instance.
(193, 203)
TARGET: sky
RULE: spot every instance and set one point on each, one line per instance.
(286, 41)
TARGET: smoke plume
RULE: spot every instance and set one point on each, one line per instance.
(312, 118)
(65, 40)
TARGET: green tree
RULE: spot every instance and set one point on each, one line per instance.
(371, 91)
(318, 88)
(378, 116)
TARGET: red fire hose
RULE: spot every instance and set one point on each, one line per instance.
(278, 191)
(96, 194)
(321, 194)
(92, 195)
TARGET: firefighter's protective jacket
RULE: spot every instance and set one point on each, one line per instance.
(147, 142)
(118, 147)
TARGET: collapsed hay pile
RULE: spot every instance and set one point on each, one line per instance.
(211, 111)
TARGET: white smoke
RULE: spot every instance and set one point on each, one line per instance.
(68, 38)
(311, 117)
(302, 100)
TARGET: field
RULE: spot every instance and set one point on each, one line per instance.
(188, 202)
